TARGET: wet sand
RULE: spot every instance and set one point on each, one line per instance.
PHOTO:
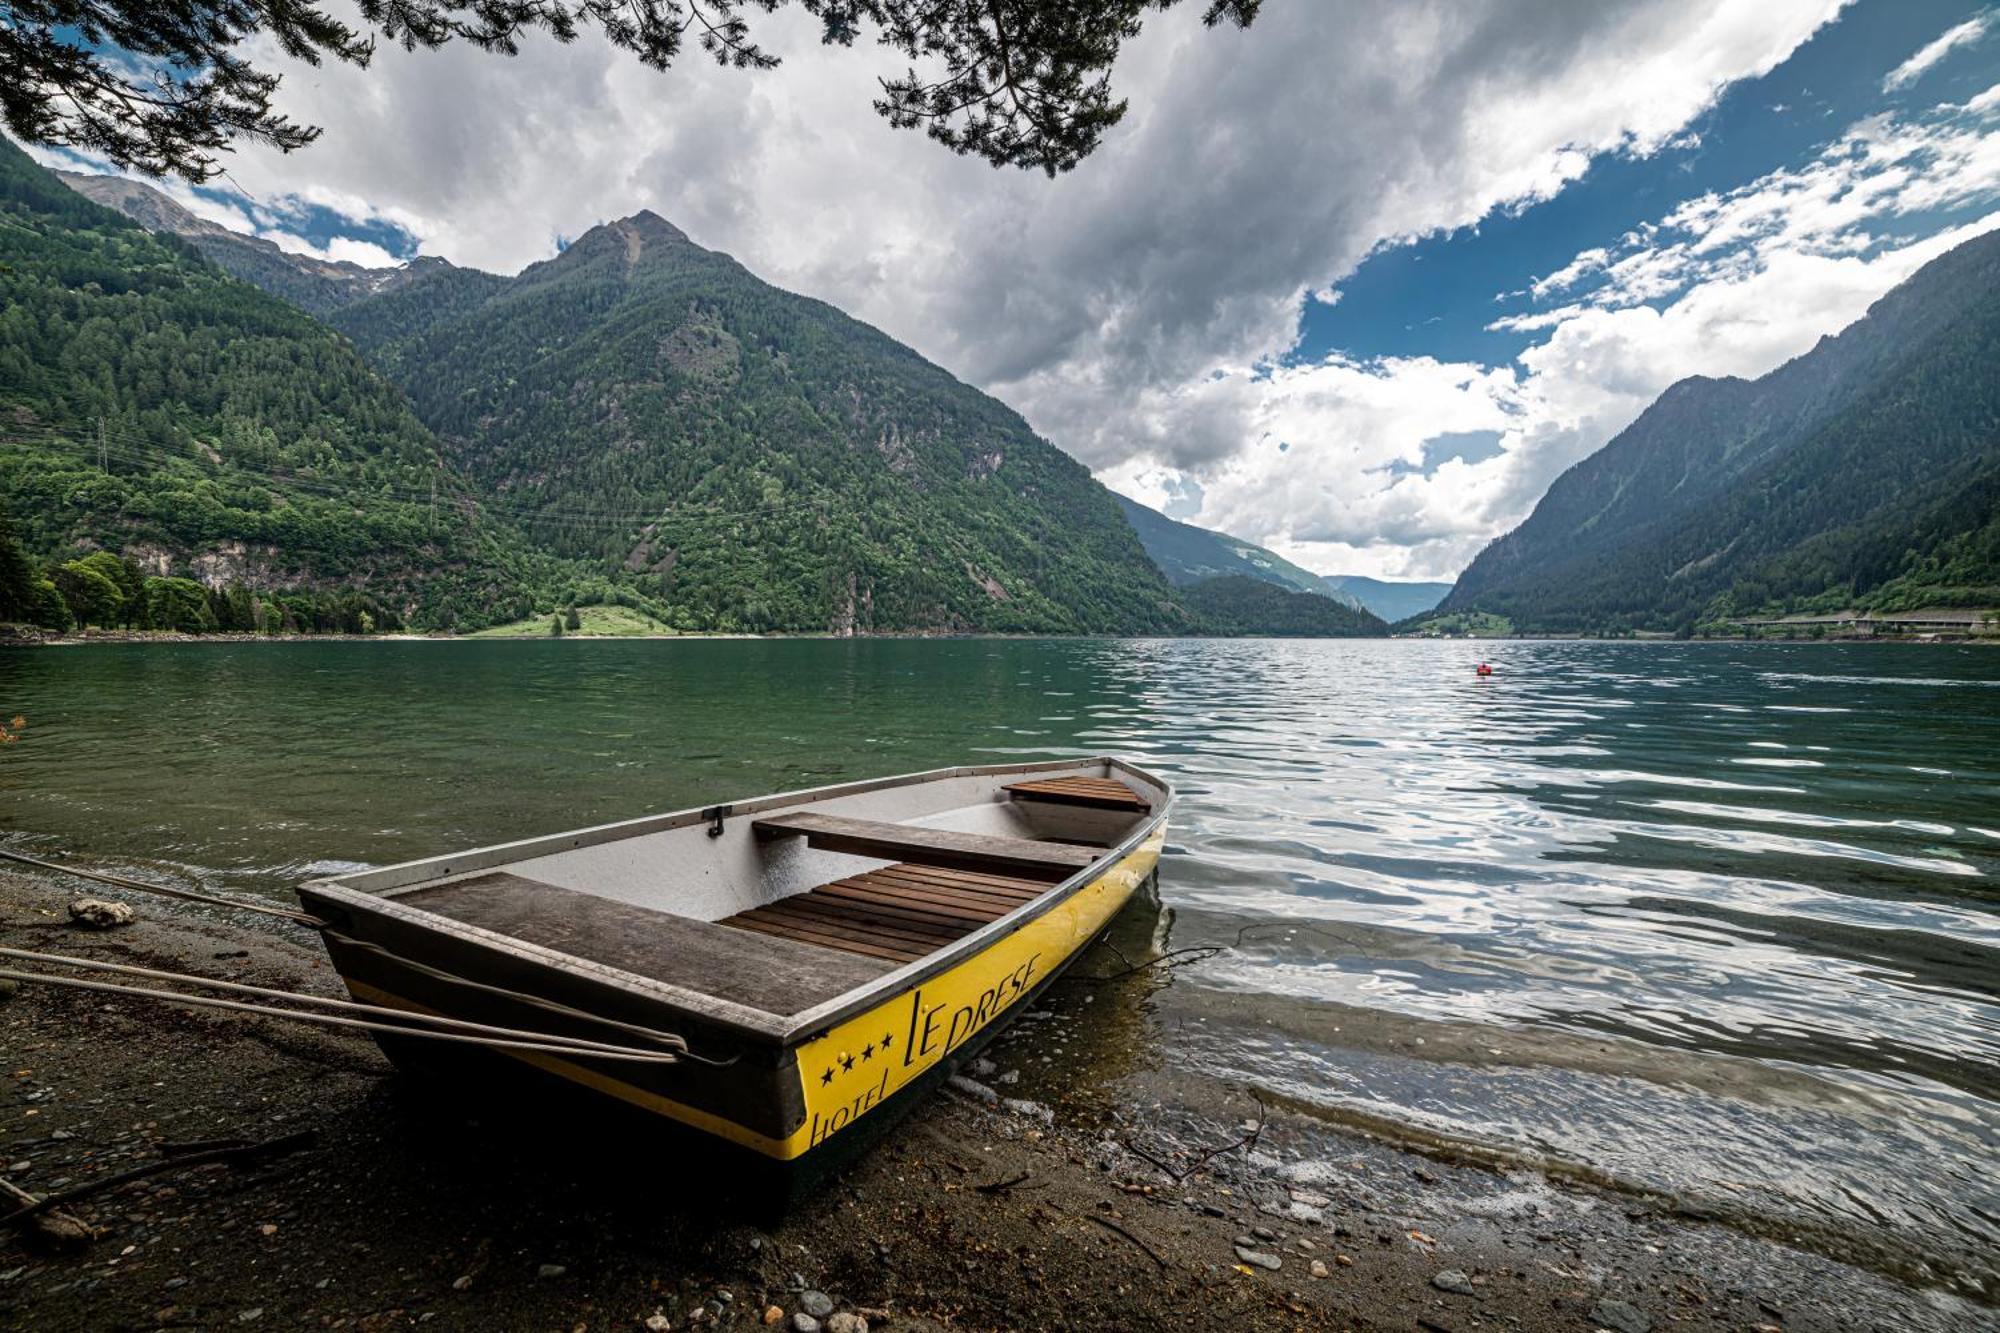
(1090, 1211)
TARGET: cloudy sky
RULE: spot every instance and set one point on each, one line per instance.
(1357, 283)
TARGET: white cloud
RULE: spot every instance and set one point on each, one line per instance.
(1731, 284)
(341, 249)
(1881, 172)
(1586, 263)
(1931, 53)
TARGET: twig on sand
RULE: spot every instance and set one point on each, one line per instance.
(242, 1152)
(1000, 1186)
(1151, 1253)
(59, 1227)
(201, 1145)
(1248, 1141)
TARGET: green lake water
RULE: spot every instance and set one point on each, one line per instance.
(1721, 919)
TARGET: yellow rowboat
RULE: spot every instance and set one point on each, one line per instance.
(798, 964)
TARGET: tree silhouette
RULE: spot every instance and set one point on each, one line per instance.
(163, 86)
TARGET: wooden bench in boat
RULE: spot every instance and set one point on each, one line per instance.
(779, 976)
(945, 848)
(1100, 793)
(900, 912)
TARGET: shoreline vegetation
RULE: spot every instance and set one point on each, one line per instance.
(1144, 1199)
(31, 636)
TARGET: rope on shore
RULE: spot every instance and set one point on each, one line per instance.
(673, 1041)
(164, 890)
(666, 1039)
(402, 1022)
(236, 1152)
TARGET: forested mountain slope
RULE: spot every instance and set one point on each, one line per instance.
(1189, 554)
(1241, 604)
(152, 405)
(1865, 472)
(757, 459)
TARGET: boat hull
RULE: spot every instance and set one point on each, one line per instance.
(809, 1097)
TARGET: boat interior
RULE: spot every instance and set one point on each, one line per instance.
(784, 903)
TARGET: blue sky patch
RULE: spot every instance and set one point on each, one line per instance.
(1437, 296)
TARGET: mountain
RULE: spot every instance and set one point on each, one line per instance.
(154, 406)
(1188, 554)
(1243, 605)
(1864, 473)
(1388, 599)
(752, 458)
(317, 286)
(737, 457)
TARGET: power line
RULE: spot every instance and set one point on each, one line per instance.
(142, 451)
(147, 452)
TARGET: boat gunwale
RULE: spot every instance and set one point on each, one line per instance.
(782, 1029)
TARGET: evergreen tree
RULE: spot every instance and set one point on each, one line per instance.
(19, 595)
(177, 604)
(92, 597)
(1025, 82)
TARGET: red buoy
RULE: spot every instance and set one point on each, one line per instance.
(1484, 669)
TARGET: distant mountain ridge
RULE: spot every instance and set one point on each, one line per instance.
(1188, 554)
(1864, 472)
(1389, 599)
(317, 286)
(1241, 604)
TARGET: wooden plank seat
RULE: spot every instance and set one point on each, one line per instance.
(899, 913)
(944, 848)
(783, 976)
(1101, 793)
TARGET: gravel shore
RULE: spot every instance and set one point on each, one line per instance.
(983, 1211)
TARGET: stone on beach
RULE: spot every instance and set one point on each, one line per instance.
(1030, 1110)
(100, 913)
(1621, 1316)
(1259, 1258)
